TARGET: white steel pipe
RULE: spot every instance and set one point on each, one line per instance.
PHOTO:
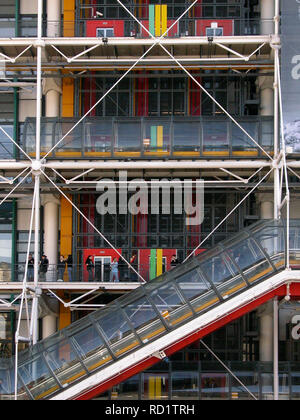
(199, 164)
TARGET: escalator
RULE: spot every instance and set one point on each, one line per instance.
(161, 317)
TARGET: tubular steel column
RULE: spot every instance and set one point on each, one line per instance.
(36, 166)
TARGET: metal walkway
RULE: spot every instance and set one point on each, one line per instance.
(160, 317)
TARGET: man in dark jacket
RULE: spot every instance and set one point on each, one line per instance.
(44, 264)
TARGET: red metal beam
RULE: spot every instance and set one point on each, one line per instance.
(294, 292)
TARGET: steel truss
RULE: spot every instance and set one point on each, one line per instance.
(276, 166)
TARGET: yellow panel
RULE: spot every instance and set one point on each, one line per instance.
(69, 18)
(64, 315)
(164, 17)
(158, 387)
(151, 387)
(130, 154)
(157, 20)
(66, 227)
(67, 98)
(160, 136)
(159, 261)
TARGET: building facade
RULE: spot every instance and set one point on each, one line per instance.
(108, 110)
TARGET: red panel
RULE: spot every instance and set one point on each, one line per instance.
(90, 95)
(91, 27)
(142, 97)
(195, 97)
(227, 25)
(197, 9)
(280, 292)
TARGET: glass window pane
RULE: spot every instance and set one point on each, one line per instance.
(214, 386)
(171, 305)
(144, 319)
(7, 147)
(186, 136)
(128, 136)
(98, 136)
(272, 241)
(215, 136)
(185, 386)
(91, 348)
(37, 377)
(240, 140)
(118, 332)
(72, 139)
(64, 362)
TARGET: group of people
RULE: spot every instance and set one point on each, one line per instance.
(67, 263)
(114, 269)
(44, 266)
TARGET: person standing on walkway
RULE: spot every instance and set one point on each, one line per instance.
(114, 270)
(30, 269)
(90, 268)
(44, 264)
(70, 266)
(61, 267)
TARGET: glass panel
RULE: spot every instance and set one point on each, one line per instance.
(7, 385)
(295, 385)
(98, 137)
(118, 332)
(216, 269)
(37, 377)
(7, 147)
(250, 380)
(73, 141)
(235, 284)
(91, 348)
(128, 390)
(46, 136)
(144, 319)
(215, 137)
(251, 260)
(240, 140)
(185, 386)
(267, 386)
(267, 130)
(29, 136)
(157, 136)
(128, 137)
(64, 362)
(214, 386)
(171, 305)
(186, 136)
(272, 241)
(294, 247)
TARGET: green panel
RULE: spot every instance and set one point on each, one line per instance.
(152, 271)
(152, 19)
(153, 133)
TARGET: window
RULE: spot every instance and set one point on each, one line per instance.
(214, 31)
(105, 32)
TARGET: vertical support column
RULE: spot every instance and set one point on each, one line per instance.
(265, 312)
(51, 204)
(267, 12)
(275, 350)
(36, 173)
(53, 18)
